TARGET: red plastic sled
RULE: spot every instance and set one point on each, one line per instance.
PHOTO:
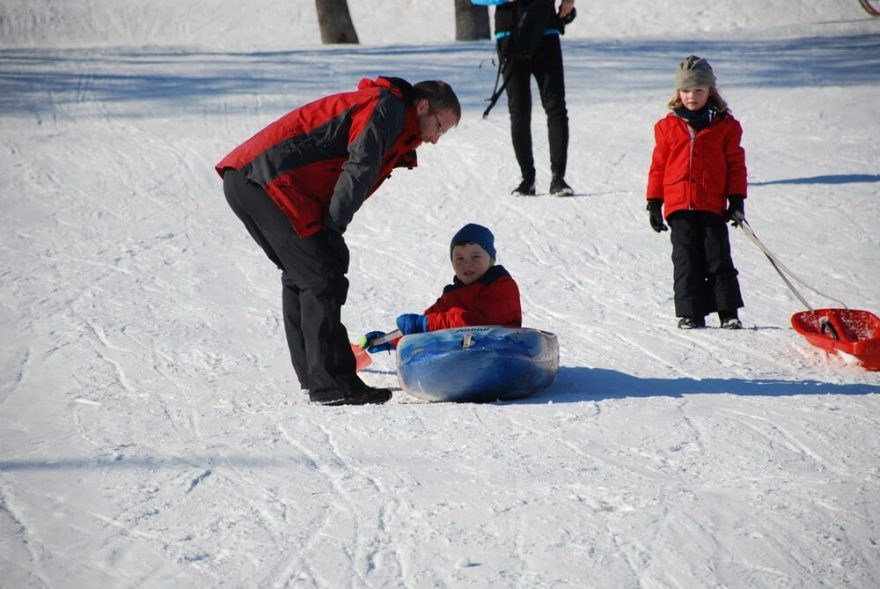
(361, 357)
(850, 331)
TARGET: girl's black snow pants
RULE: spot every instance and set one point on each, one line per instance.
(704, 278)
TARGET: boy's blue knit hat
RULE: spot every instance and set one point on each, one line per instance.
(473, 233)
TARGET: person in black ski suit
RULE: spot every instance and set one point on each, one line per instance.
(527, 33)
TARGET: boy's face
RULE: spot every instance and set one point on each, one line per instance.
(694, 98)
(470, 262)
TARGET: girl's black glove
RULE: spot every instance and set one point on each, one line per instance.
(655, 214)
(736, 209)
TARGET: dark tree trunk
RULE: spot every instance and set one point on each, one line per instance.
(335, 22)
(471, 22)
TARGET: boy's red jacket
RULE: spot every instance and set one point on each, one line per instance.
(698, 176)
(491, 300)
(320, 162)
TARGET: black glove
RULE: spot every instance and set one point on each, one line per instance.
(736, 210)
(655, 214)
(566, 20)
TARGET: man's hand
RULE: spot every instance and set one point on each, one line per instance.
(565, 8)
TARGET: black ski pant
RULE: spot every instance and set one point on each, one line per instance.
(546, 67)
(313, 286)
(704, 278)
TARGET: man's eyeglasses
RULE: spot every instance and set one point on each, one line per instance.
(440, 129)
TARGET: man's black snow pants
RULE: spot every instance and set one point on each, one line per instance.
(703, 272)
(314, 286)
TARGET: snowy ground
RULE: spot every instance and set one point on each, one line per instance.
(152, 433)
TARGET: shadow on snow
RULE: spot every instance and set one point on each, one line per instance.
(35, 81)
(205, 464)
(828, 179)
(577, 384)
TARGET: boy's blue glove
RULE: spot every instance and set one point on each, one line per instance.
(364, 342)
(411, 323)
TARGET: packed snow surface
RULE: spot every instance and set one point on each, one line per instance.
(152, 433)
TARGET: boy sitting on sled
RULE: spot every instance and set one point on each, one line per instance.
(481, 293)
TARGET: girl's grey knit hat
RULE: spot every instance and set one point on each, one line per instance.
(694, 71)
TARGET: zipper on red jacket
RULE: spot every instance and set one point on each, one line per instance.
(693, 136)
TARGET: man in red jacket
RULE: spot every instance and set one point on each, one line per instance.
(297, 184)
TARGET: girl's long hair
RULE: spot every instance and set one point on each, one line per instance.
(714, 98)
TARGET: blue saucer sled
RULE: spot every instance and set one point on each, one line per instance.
(477, 364)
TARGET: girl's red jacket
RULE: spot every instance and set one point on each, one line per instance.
(491, 300)
(320, 162)
(697, 171)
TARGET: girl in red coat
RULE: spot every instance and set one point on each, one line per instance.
(698, 175)
(481, 293)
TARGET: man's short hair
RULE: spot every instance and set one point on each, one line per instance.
(439, 95)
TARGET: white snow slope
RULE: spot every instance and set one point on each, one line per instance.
(152, 433)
